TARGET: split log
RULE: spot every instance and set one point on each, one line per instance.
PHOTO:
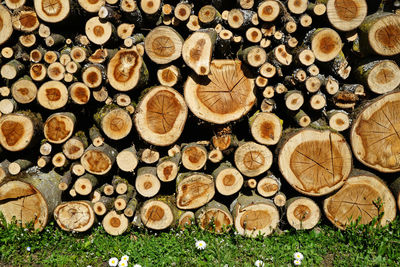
(254, 215)
(19, 130)
(194, 156)
(194, 190)
(266, 128)
(374, 134)
(126, 70)
(302, 213)
(269, 185)
(381, 76)
(163, 44)
(147, 183)
(364, 196)
(220, 102)
(168, 167)
(160, 116)
(314, 162)
(59, 127)
(115, 224)
(253, 159)
(127, 159)
(198, 49)
(115, 122)
(98, 160)
(30, 197)
(159, 213)
(379, 34)
(214, 217)
(228, 180)
(77, 216)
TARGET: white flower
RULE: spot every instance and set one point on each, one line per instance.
(259, 263)
(297, 262)
(113, 261)
(28, 249)
(123, 263)
(298, 256)
(201, 245)
(125, 258)
(137, 265)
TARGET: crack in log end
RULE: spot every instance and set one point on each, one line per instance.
(162, 111)
(253, 160)
(251, 220)
(154, 213)
(380, 137)
(385, 76)
(346, 10)
(96, 162)
(267, 130)
(115, 222)
(215, 220)
(227, 91)
(302, 213)
(389, 36)
(228, 180)
(125, 65)
(197, 50)
(12, 132)
(163, 46)
(52, 8)
(354, 201)
(56, 129)
(195, 192)
(53, 94)
(317, 165)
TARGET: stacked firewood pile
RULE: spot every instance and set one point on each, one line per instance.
(244, 114)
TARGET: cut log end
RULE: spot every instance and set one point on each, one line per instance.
(75, 216)
(156, 215)
(115, 224)
(326, 44)
(253, 159)
(266, 128)
(302, 213)
(194, 191)
(59, 127)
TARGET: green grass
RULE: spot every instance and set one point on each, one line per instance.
(323, 246)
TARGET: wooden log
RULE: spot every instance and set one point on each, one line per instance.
(186, 219)
(59, 127)
(79, 93)
(30, 197)
(100, 33)
(4, 169)
(7, 28)
(209, 16)
(268, 10)
(66, 180)
(115, 122)
(395, 188)
(160, 116)
(24, 91)
(19, 130)
(228, 180)
(294, 100)
(52, 12)
(85, 184)
(126, 70)
(252, 159)
(14, 4)
(269, 185)
(194, 190)
(314, 162)
(168, 167)
(381, 76)
(147, 183)
(18, 166)
(52, 95)
(104, 205)
(25, 20)
(159, 213)
(254, 56)
(254, 215)
(214, 217)
(338, 120)
(363, 197)
(7, 106)
(91, 6)
(59, 160)
(215, 156)
(77, 169)
(302, 213)
(379, 34)
(240, 19)
(11, 70)
(98, 160)
(163, 44)
(219, 102)
(194, 156)
(131, 207)
(346, 15)
(280, 199)
(168, 75)
(377, 147)
(325, 43)
(95, 136)
(127, 159)
(149, 155)
(297, 6)
(115, 224)
(197, 50)
(266, 128)
(77, 216)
